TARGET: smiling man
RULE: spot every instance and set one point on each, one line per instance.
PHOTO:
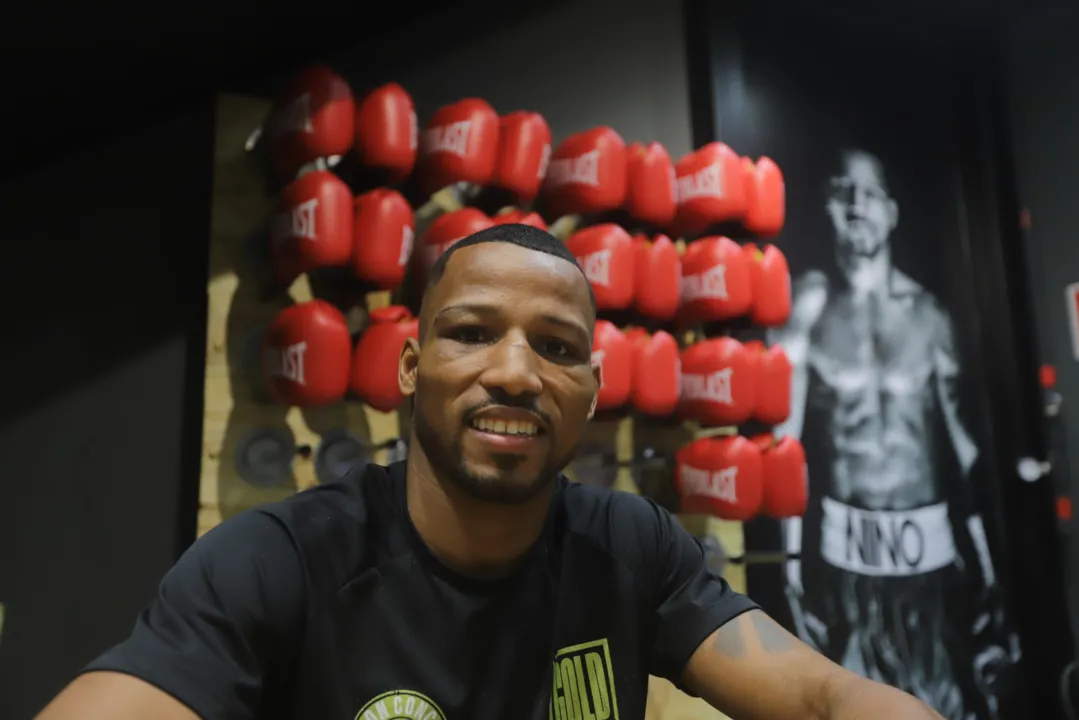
(470, 582)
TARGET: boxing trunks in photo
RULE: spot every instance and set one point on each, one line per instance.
(888, 575)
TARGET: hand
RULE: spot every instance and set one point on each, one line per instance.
(997, 650)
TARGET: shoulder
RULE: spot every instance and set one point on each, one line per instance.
(631, 529)
(928, 309)
(809, 282)
(597, 512)
(336, 528)
(904, 286)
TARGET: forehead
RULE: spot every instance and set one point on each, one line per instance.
(497, 271)
(863, 170)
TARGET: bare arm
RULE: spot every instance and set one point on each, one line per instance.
(810, 294)
(752, 668)
(114, 696)
(946, 366)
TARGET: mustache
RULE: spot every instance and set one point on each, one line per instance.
(510, 401)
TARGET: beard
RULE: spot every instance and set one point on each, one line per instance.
(861, 238)
(447, 460)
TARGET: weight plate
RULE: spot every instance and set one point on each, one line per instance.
(339, 453)
(264, 457)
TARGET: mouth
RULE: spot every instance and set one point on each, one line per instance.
(507, 429)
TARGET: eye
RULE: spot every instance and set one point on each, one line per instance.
(469, 335)
(556, 348)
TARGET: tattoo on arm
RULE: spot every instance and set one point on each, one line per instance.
(752, 628)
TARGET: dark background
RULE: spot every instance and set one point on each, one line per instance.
(105, 191)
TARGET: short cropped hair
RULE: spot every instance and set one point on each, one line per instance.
(526, 236)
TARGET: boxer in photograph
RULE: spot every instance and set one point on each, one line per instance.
(874, 400)
(470, 581)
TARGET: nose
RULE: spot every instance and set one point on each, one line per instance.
(859, 199)
(513, 368)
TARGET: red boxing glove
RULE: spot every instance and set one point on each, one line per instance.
(650, 194)
(657, 283)
(766, 197)
(771, 285)
(711, 189)
(312, 226)
(606, 254)
(383, 230)
(313, 119)
(387, 132)
(611, 351)
(305, 355)
(716, 281)
(447, 229)
(774, 371)
(657, 372)
(459, 144)
(523, 154)
(587, 174)
(378, 353)
(520, 217)
(786, 487)
(720, 476)
(719, 382)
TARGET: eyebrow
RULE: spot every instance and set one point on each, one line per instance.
(488, 310)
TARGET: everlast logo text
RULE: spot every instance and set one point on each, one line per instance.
(297, 223)
(597, 267)
(408, 237)
(452, 138)
(583, 687)
(878, 542)
(286, 362)
(706, 182)
(718, 484)
(545, 160)
(714, 387)
(294, 117)
(708, 285)
(580, 170)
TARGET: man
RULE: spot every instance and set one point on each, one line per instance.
(873, 397)
(470, 581)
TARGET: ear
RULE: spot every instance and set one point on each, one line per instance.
(597, 376)
(893, 213)
(406, 367)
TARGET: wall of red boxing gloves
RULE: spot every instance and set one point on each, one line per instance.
(676, 252)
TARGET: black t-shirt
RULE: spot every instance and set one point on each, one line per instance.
(328, 606)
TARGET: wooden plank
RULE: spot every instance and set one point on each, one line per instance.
(239, 309)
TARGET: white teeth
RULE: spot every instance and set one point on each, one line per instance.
(504, 427)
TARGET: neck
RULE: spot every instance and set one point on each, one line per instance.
(867, 275)
(474, 537)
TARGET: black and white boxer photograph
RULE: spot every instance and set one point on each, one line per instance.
(894, 541)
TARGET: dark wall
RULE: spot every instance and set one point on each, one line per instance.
(1043, 85)
(104, 301)
(579, 63)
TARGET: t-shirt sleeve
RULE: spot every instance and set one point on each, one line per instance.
(225, 617)
(691, 600)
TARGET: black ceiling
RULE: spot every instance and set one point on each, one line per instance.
(70, 77)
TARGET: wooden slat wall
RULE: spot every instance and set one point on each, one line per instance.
(234, 406)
